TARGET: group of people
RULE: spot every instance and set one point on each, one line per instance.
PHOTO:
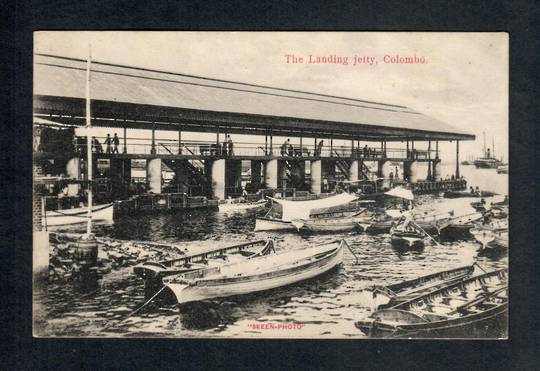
(111, 144)
(216, 149)
(366, 152)
(475, 191)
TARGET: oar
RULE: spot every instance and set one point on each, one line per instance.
(427, 234)
(352, 252)
(138, 309)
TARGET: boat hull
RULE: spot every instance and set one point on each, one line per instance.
(491, 323)
(78, 215)
(233, 207)
(329, 225)
(407, 243)
(266, 224)
(466, 308)
(233, 286)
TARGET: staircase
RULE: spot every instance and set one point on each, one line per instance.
(342, 166)
(196, 176)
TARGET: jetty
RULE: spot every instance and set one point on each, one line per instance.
(312, 142)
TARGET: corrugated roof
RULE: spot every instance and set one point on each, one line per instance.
(63, 77)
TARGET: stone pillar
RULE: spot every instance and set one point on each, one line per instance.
(410, 171)
(73, 168)
(256, 168)
(153, 175)
(218, 179)
(384, 168)
(437, 170)
(271, 174)
(353, 171)
(316, 176)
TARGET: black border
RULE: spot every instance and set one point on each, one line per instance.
(20, 19)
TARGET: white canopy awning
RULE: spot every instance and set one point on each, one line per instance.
(301, 209)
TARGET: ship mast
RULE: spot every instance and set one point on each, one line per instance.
(88, 144)
(493, 147)
(484, 149)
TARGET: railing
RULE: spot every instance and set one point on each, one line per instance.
(220, 150)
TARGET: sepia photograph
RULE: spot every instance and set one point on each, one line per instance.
(284, 185)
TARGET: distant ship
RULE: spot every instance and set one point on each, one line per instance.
(488, 161)
(468, 161)
(502, 169)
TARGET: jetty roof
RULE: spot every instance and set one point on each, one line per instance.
(142, 98)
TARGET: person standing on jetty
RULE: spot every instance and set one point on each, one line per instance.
(108, 143)
(284, 147)
(230, 145)
(116, 142)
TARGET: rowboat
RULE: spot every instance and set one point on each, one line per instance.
(272, 224)
(487, 233)
(408, 240)
(473, 307)
(341, 223)
(254, 275)
(495, 248)
(78, 215)
(283, 212)
(153, 272)
(502, 169)
(230, 207)
(407, 290)
(407, 235)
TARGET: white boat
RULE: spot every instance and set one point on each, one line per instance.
(271, 224)
(334, 223)
(78, 215)
(298, 210)
(230, 207)
(258, 274)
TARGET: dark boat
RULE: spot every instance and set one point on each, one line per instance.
(407, 290)
(408, 240)
(474, 307)
(479, 206)
(496, 248)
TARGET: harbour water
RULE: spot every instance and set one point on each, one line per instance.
(326, 306)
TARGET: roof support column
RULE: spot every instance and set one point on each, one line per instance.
(407, 149)
(429, 173)
(437, 149)
(266, 142)
(179, 139)
(271, 142)
(332, 146)
(457, 159)
(125, 140)
(153, 147)
(301, 149)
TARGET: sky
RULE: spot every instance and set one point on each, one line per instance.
(464, 81)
